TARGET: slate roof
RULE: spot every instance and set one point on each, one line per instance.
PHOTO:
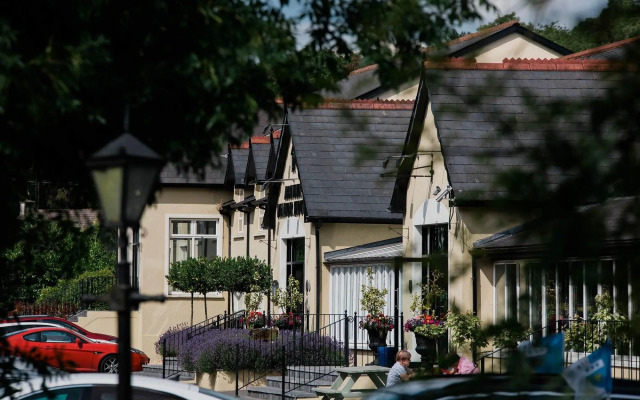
(259, 151)
(361, 83)
(170, 176)
(611, 51)
(364, 83)
(468, 123)
(341, 148)
(381, 250)
(612, 212)
(239, 158)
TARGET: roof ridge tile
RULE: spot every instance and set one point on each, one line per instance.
(261, 139)
(527, 64)
(483, 32)
(363, 104)
(595, 50)
(363, 69)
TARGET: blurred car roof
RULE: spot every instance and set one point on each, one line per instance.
(525, 386)
(10, 327)
(61, 321)
(15, 369)
(148, 384)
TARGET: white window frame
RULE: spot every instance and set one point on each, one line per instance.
(240, 231)
(168, 236)
(260, 219)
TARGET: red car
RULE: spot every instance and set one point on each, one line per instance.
(70, 351)
(64, 323)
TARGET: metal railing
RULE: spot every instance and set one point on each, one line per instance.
(68, 297)
(173, 343)
(581, 338)
(312, 350)
(311, 345)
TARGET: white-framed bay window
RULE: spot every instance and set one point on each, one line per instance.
(538, 296)
(192, 237)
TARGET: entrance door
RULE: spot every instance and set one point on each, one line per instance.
(295, 267)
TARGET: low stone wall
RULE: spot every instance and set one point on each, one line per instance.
(225, 381)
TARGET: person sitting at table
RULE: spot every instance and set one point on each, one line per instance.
(400, 372)
(455, 364)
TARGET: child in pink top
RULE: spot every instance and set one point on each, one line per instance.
(454, 364)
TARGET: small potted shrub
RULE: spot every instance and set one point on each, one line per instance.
(288, 300)
(376, 323)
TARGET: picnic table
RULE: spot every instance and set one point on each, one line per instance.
(355, 382)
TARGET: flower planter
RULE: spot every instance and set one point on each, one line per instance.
(264, 334)
(427, 347)
(376, 339)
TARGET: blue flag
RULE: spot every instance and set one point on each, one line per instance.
(545, 356)
(590, 377)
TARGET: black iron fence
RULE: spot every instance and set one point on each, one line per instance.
(255, 346)
(580, 339)
(67, 298)
(312, 347)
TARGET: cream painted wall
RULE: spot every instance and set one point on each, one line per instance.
(107, 322)
(513, 46)
(156, 318)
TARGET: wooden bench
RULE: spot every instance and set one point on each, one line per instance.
(347, 386)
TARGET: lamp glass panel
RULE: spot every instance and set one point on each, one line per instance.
(140, 182)
(109, 185)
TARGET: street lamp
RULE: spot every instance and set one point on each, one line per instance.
(125, 173)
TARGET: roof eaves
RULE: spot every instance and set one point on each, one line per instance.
(514, 28)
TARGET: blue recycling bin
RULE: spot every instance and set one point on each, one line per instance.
(387, 356)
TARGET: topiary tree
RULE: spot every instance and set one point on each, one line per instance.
(243, 274)
(187, 276)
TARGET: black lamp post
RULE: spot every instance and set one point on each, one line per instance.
(124, 172)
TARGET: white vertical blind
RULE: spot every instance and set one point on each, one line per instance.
(346, 292)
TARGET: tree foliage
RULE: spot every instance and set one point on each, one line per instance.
(47, 251)
(189, 276)
(619, 20)
(243, 275)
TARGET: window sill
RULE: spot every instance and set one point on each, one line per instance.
(182, 295)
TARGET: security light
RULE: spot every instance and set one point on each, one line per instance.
(443, 194)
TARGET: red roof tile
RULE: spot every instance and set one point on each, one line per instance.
(482, 32)
(260, 139)
(363, 69)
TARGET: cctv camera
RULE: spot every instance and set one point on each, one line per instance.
(436, 190)
(443, 194)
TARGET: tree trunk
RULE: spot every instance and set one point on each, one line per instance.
(206, 316)
(191, 308)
